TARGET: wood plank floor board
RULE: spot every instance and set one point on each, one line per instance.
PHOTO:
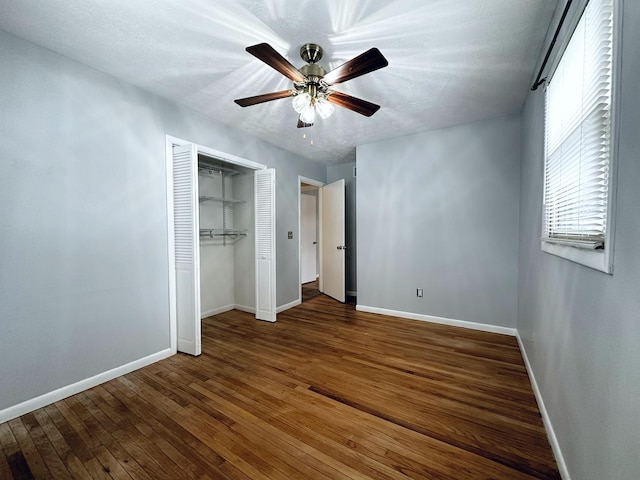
(49, 455)
(114, 435)
(162, 430)
(29, 450)
(196, 405)
(158, 456)
(271, 414)
(261, 424)
(5, 469)
(69, 444)
(202, 427)
(261, 431)
(19, 469)
(325, 392)
(71, 461)
(439, 418)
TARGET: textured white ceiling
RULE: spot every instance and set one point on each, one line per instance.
(450, 61)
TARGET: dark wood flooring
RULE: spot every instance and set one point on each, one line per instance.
(324, 393)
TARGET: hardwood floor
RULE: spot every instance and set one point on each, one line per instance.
(324, 393)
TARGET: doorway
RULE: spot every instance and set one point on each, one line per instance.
(323, 206)
(308, 235)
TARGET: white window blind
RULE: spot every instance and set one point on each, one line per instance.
(578, 134)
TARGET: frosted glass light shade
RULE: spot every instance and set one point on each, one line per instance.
(301, 101)
(324, 108)
(308, 114)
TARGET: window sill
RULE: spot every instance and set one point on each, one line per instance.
(596, 259)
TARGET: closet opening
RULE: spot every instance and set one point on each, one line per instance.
(225, 201)
(221, 239)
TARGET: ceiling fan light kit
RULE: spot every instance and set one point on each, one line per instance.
(311, 90)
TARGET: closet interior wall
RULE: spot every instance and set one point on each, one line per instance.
(226, 216)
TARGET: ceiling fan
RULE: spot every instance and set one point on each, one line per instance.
(312, 84)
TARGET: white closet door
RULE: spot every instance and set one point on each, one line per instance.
(187, 247)
(265, 211)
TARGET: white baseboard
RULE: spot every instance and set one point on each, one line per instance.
(216, 311)
(445, 321)
(551, 434)
(64, 392)
(287, 306)
(244, 308)
(351, 293)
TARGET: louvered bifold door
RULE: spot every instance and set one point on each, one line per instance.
(265, 210)
(187, 252)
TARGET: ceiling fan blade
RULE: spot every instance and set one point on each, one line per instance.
(366, 62)
(266, 53)
(266, 97)
(352, 103)
(302, 124)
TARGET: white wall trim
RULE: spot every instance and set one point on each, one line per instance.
(485, 327)
(287, 306)
(64, 392)
(213, 153)
(551, 434)
(216, 311)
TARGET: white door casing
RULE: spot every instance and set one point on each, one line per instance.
(265, 216)
(187, 252)
(332, 240)
(308, 238)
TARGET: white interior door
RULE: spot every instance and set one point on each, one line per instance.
(187, 248)
(308, 238)
(332, 240)
(265, 214)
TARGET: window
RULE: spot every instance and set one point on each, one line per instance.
(578, 144)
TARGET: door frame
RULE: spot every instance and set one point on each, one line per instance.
(170, 141)
(315, 183)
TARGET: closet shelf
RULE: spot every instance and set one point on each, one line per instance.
(230, 201)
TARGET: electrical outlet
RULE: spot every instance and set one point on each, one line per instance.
(419, 292)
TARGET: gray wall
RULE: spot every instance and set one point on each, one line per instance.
(84, 277)
(439, 210)
(580, 327)
(335, 173)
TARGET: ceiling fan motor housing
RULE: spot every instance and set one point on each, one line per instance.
(311, 52)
